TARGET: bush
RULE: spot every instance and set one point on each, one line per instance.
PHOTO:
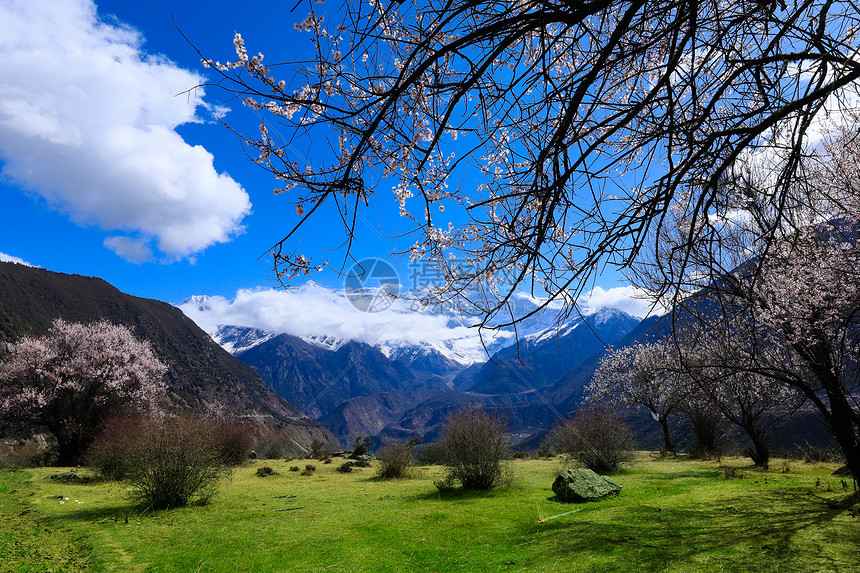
(233, 439)
(597, 437)
(266, 471)
(395, 459)
(430, 455)
(361, 447)
(174, 463)
(710, 438)
(111, 451)
(811, 454)
(276, 443)
(35, 451)
(474, 445)
(345, 467)
(319, 450)
(120, 438)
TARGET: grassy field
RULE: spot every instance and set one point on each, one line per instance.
(672, 515)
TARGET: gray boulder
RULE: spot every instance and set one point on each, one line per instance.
(580, 485)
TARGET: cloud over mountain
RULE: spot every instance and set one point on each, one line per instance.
(13, 259)
(312, 310)
(87, 121)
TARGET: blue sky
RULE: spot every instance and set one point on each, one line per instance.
(109, 170)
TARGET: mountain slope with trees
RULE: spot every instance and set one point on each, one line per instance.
(200, 376)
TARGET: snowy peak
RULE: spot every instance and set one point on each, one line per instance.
(606, 320)
(550, 333)
(200, 301)
(325, 341)
(235, 339)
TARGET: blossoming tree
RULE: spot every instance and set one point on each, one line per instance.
(642, 375)
(793, 323)
(71, 379)
(751, 400)
(541, 137)
(776, 293)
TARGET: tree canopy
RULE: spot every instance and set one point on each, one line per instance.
(530, 143)
(71, 379)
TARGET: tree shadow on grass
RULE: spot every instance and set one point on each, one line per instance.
(454, 494)
(80, 514)
(738, 533)
(120, 512)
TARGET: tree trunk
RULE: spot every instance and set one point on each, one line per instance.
(845, 431)
(667, 442)
(841, 416)
(70, 448)
(760, 450)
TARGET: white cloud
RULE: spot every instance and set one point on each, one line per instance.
(318, 311)
(312, 310)
(11, 259)
(87, 120)
(132, 250)
(632, 300)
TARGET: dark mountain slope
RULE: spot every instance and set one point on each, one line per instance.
(368, 415)
(318, 380)
(200, 373)
(539, 360)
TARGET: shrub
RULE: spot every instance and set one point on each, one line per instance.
(596, 437)
(361, 446)
(319, 449)
(430, 454)
(812, 454)
(120, 438)
(710, 438)
(111, 451)
(345, 467)
(174, 463)
(730, 472)
(275, 443)
(475, 446)
(233, 439)
(38, 450)
(395, 459)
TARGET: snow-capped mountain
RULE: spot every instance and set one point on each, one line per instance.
(235, 339)
(325, 341)
(324, 318)
(541, 357)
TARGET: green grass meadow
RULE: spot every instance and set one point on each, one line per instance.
(672, 515)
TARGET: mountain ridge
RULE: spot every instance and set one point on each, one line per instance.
(201, 375)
